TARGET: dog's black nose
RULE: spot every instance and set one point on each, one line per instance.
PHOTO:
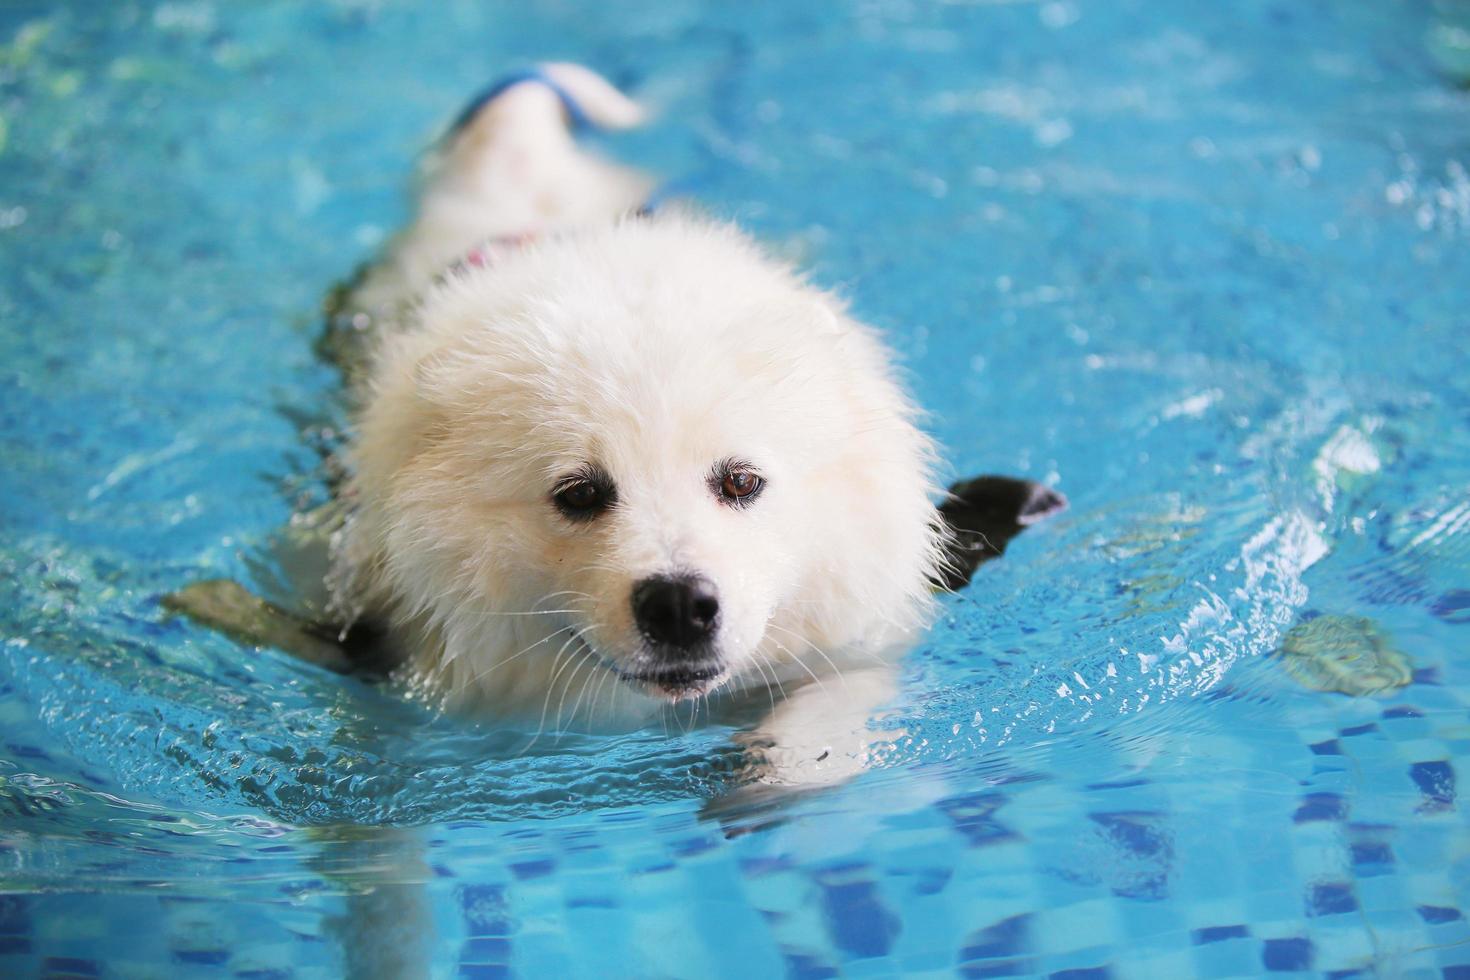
(677, 612)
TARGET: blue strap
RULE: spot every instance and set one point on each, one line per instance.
(575, 114)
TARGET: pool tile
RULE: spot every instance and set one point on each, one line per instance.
(1287, 955)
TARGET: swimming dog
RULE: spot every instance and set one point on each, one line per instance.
(605, 461)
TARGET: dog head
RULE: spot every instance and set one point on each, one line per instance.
(645, 452)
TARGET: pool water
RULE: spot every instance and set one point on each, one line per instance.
(1205, 267)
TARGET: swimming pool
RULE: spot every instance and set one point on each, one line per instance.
(1205, 267)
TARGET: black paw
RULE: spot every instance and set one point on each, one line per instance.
(984, 514)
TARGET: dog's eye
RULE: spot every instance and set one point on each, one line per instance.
(739, 485)
(583, 498)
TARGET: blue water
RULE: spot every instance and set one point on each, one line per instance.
(1206, 267)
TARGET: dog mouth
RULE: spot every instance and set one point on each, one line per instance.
(678, 683)
(671, 682)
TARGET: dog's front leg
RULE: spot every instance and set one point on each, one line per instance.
(822, 734)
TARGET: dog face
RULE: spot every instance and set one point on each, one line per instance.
(643, 453)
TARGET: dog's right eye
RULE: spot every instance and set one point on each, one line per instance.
(583, 498)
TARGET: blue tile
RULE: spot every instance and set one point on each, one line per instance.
(1436, 780)
(692, 846)
(804, 966)
(1215, 934)
(527, 870)
(1284, 955)
(1330, 747)
(1321, 806)
(996, 968)
(1005, 938)
(484, 971)
(1331, 898)
(857, 920)
(484, 910)
(1453, 606)
(973, 816)
(1140, 834)
(1120, 784)
(1437, 915)
(1371, 858)
(15, 915)
(70, 966)
(202, 957)
(485, 949)
(1145, 839)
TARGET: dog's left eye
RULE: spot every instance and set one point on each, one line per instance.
(739, 485)
(583, 498)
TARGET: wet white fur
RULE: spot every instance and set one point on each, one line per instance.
(653, 348)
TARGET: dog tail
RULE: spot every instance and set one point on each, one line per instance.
(557, 94)
(599, 102)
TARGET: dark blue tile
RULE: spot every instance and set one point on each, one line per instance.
(484, 910)
(1147, 848)
(1453, 606)
(1284, 955)
(1330, 747)
(14, 945)
(70, 966)
(691, 846)
(857, 920)
(15, 914)
(262, 975)
(1455, 973)
(1438, 915)
(973, 815)
(1436, 780)
(1402, 711)
(202, 957)
(1120, 784)
(1140, 834)
(804, 966)
(527, 870)
(931, 881)
(1084, 973)
(28, 751)
(484, 971)
(1321, 806)
(1349, 732)
(996, 968)
(1003, 939)
(1371, 856)
(1331, 898)
(1215, 934)
(485, 949)
(757, 867)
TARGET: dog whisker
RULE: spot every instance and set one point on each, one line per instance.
(818, 650)
(800, 663)
(551, 689)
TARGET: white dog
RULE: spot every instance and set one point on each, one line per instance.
(604, 461)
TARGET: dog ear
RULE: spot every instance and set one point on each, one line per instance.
(983, 515)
